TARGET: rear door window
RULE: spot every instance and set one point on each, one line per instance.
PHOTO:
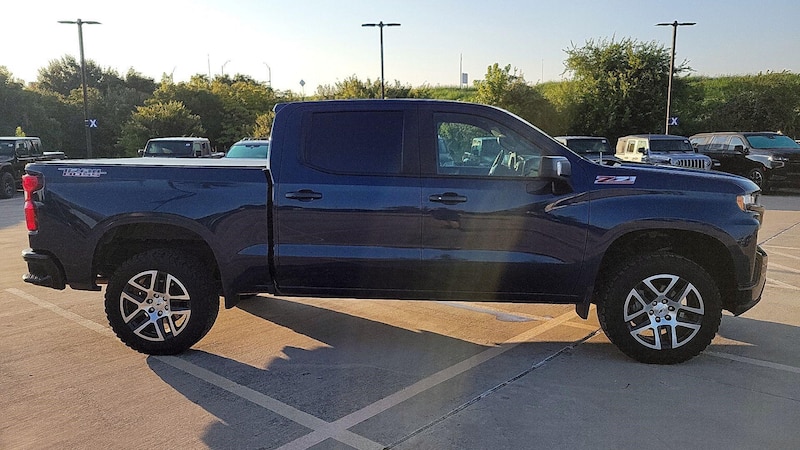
(356, 142)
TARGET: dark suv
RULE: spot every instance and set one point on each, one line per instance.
(768, 158)
(594, 148)
(15, 153)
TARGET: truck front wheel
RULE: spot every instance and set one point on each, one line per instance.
(660, 308)
(161, 302)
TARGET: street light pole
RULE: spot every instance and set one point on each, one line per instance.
(674, 26)
(80, 24)
(269, 75)
(381, 25)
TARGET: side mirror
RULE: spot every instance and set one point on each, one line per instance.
(555, 167)
(140, 152)
(740, 149)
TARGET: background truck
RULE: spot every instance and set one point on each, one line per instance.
(355, 201)
(179, 147)
(15, 153)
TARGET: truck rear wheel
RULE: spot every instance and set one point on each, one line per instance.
(161, 302)
(7, 185)
(660, 309)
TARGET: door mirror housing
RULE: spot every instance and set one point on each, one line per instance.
(555, 167)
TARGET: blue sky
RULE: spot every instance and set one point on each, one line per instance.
(322, 42)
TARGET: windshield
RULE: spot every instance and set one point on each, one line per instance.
(6, 148)
(168, 148)
(771, 141)
(586, 146)
(245, 150)
(671, 145)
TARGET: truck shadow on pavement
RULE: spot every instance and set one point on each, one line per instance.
(360, 362)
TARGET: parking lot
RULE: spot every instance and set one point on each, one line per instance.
(299, 373)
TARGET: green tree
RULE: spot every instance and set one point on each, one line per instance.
(110, 98)
(11, 96)
(508, 89)
(197, 97)
(353, 87)
(243, 101)
(263, 126)
(620, 87)
(156, 120)
(64, 75)
(767, 101)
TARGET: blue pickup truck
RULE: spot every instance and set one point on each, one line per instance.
(376, 199)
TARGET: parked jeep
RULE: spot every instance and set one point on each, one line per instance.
(662, 150)
(15, 153)
(768, 158)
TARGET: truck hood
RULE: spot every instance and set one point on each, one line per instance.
(670, 178)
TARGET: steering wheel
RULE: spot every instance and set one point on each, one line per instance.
(498, 160)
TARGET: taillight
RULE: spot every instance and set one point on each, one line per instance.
(31, 184)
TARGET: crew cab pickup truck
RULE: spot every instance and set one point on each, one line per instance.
(357, 200)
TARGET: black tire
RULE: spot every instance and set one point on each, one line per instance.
(161, 302)
(756, 175)
(8, 186)
(660, 308)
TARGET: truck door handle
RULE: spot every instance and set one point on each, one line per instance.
(448, 198)
(304, 195)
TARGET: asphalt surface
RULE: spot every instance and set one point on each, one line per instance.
(299, 373)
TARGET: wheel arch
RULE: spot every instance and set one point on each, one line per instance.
(705, 250)
(127, 238)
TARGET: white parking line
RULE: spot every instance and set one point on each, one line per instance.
(425, 384)
(319, 426)
(772, 265)
(754, 362)
(505, 316)
(69, 315)
(339, 429)
(780, 247)
(322, 430)
(502, 316)
(781, 284)
(785, 255)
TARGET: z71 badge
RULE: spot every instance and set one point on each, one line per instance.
(81, 173)
(611, 179)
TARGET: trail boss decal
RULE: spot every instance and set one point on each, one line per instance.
(611, 179)
(81, 173)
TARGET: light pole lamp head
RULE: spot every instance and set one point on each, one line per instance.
(380, 24)
(675, 24)
(80, 22)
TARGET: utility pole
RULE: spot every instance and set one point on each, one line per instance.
(381, 25)
(86, 122)
(674, 26)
